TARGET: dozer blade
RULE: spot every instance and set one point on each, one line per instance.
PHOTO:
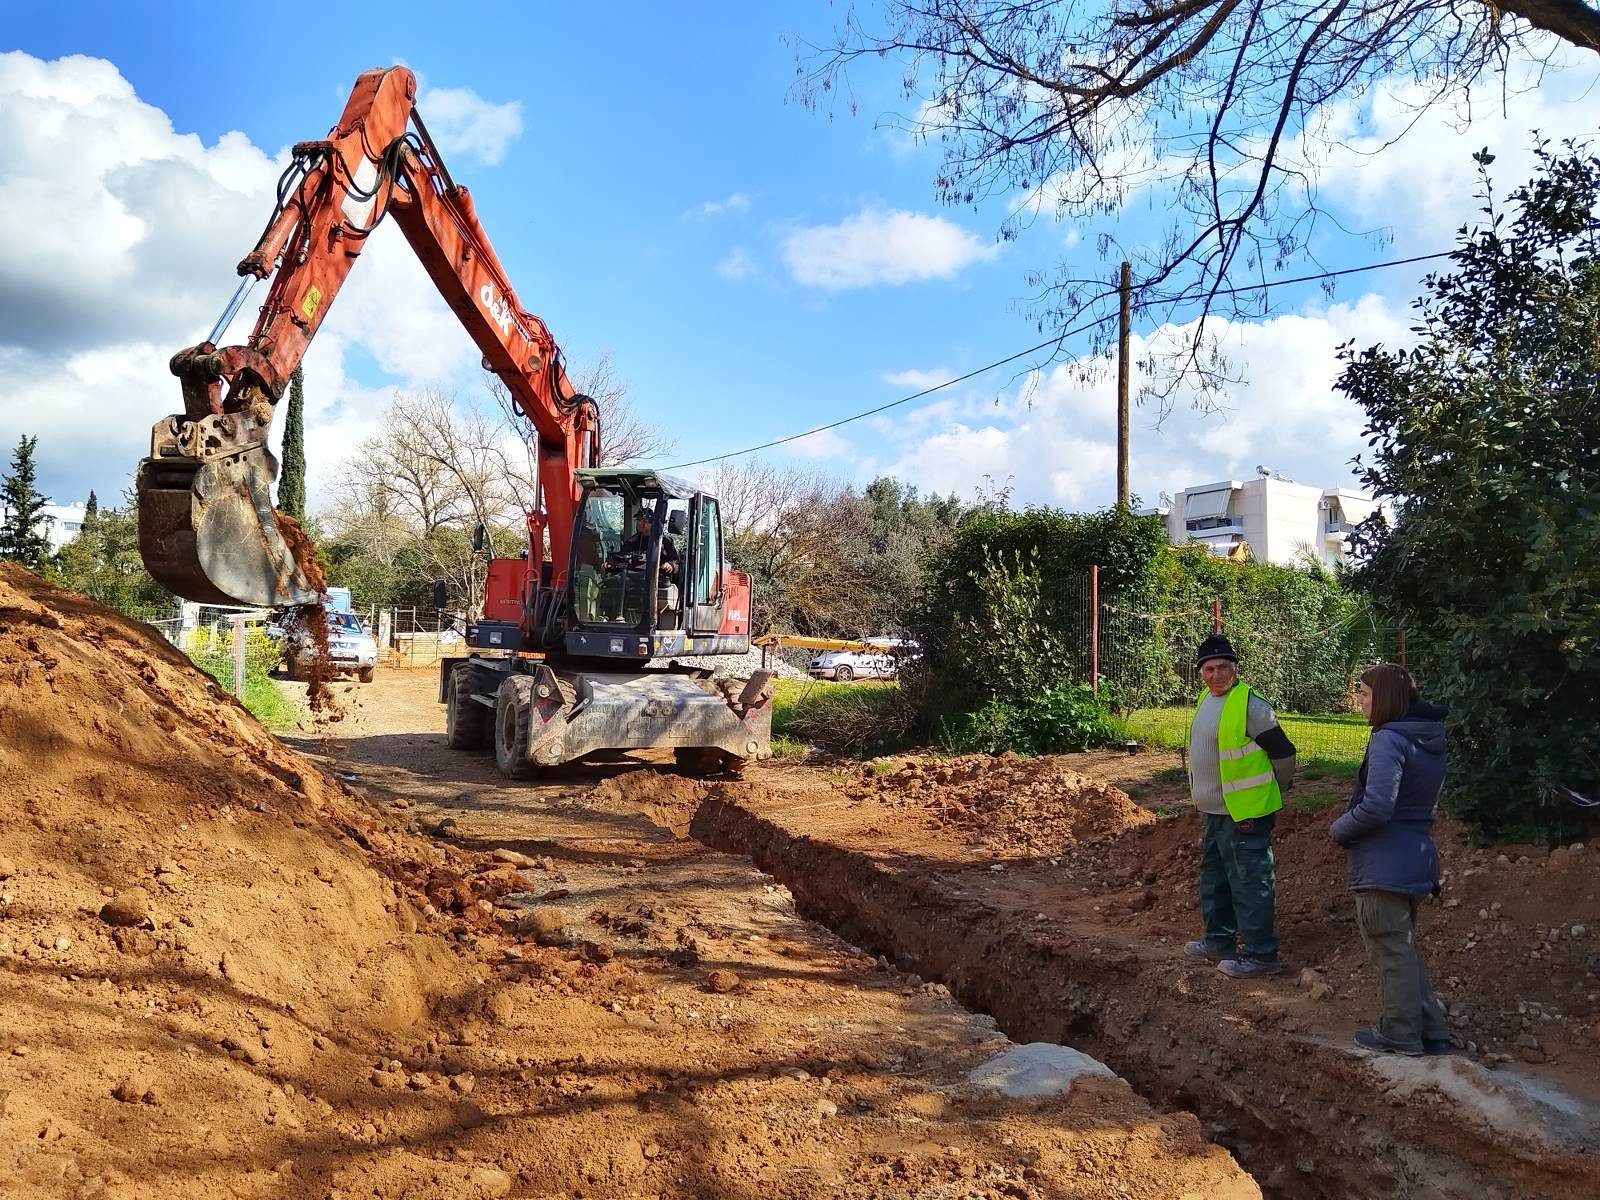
(208, 532)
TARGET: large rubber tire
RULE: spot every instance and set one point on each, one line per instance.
(513, 727)
(466, 722)
(844, 674)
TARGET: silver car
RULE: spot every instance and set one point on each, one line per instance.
(351, 649)
(882, 659)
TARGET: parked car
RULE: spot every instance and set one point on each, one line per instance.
(882, 659)
(351, 649)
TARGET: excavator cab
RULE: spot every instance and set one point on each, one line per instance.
(646, 566)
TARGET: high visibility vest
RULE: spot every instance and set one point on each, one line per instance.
(1249, 788)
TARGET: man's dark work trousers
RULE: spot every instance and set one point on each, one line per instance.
(1411, 1012)
(1238, 888)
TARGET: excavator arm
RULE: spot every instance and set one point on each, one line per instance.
(207, 527)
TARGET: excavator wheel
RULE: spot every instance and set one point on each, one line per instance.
(467, 723)
(513, 727)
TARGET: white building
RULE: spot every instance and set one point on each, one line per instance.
(58, 522)
(1268, 518)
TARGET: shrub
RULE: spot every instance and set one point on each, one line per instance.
(1062, 719)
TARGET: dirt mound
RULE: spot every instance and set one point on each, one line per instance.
(197, 929)
(1007, 804)
(666, 801)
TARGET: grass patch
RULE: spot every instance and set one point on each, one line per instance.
(265, 699)
(787, 747)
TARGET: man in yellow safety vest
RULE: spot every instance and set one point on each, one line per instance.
(1240, 763)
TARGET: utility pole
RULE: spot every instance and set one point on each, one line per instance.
(1124, 337)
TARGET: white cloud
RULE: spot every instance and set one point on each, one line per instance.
(464, 124)
(877, 246)
(915, 380)
(738, 202)
(825, 444)
(119, 249)
(736, 264)
(1414, 176)
(1054, 437)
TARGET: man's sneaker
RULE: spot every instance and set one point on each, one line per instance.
(1249, 968)
(1371, 1039)
(1207, 951)
(1454, 1046)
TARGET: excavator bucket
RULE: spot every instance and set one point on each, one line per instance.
(208, 531)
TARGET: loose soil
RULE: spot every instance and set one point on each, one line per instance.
(230, 970)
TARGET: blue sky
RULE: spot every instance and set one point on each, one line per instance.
(752, 267)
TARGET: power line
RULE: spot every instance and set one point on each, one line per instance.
(1262, 287)
(1056, 341)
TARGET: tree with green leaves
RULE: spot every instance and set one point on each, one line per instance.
(1483, 437)
(91, 511)
(292, 482)
(22, 538)
(103, 563)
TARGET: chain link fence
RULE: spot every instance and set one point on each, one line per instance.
(227, 643)
(415, 638)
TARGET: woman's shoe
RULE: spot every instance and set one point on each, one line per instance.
(1207, 951)
(1371, 1039)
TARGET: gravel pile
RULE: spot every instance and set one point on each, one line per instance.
(740, 666)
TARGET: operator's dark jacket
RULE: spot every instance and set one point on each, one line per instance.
(639, 543)
(1389, 826)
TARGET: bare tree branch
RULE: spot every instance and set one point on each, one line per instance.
(1072, 103)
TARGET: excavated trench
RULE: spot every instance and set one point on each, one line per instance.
(1304, 1117)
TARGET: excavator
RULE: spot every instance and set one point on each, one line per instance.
(623, 570)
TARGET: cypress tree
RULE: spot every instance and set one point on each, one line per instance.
(21, 537)
(292, 483)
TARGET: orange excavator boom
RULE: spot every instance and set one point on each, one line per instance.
(207, 527)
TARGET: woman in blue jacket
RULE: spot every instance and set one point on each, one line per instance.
(1388, 831)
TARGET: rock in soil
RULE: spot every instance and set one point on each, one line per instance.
(129, 908)
(722, 980)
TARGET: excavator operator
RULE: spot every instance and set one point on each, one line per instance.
(637, 544)
(622, 591)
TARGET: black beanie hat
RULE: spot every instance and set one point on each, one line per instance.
(1215, 646)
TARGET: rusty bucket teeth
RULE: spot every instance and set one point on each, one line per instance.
(208, 532)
